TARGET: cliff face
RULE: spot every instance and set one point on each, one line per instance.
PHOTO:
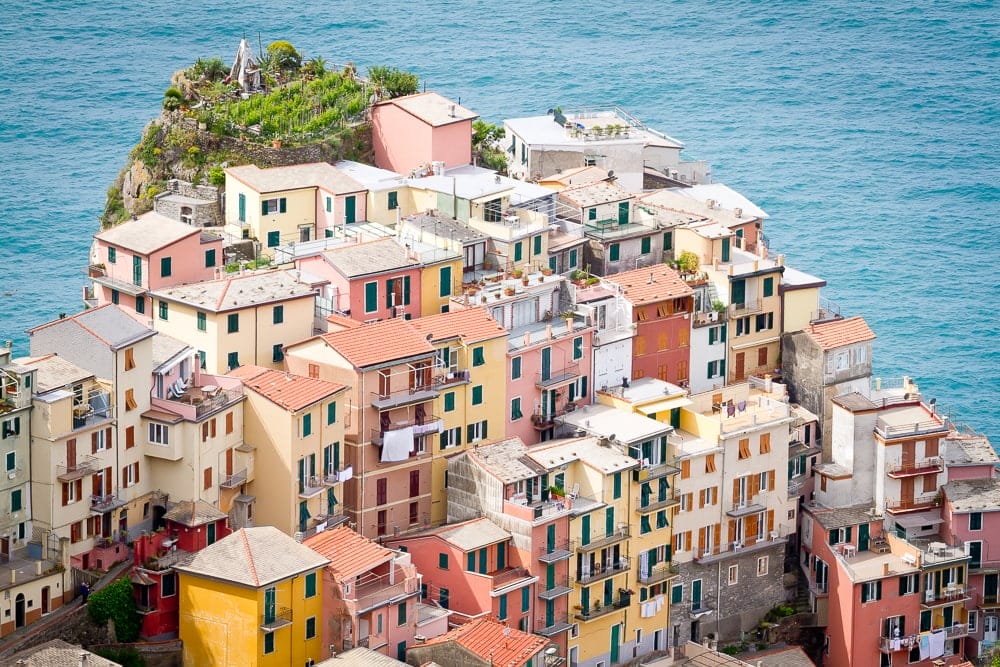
(176, 145)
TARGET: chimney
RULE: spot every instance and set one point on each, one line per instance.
(715, 263)
(569, 325)
(527, 338)
(885, 569)
(651, 279)
(781, 260)
(548, 331)
(83, 659)
(730, 269)
(756, 265)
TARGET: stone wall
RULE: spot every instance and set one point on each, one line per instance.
(202, 200)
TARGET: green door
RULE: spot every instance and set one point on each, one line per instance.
(948, 616)
(615, 639)
(675, 421)
(623, 213)
(136, 270)
(609, 521)
(739, 292)
(725, 250)
(550, 538)
(546, 363)
(863, 537)
(550, 576)
(585, 598)
(609, 589)
(270, 599)
(550, 613)
(976, 551)
(585, 530)
(696, 594)
(350, 209)
(482, 561)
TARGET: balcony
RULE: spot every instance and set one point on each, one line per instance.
(922, 467)
(746, 545)
(537, 511)
(742, 507)
(105, 504)
(560, 587)
(987, 601)
(555, 377)
(598, 610)
(654, 505)
(660, 572)
(907, 642)
(233, 481)
(620, 535)
(504, 577)
(371, 591)
(601, 571)
(92, 412)
(425, 425)
(708, 319)
(85, 465)
(889, 430)
(278, 618)
(310, 487)
(555, 553)
(449, 377)
(904, 505)
(749, 307)
(650, 471)
(337, 475)
(552, 626)
(945, 595)
(419, 393)
(212, 394)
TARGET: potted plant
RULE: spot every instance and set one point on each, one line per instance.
(516, 273)
(718, 307)
(509, 291)
(557, 491)
(546, 271)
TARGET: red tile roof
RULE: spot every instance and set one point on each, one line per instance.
(349, 553)
(292, 392)
(379, 342)
(341, 322)
(651, 284)
(471, 325)
(494, 642)
(838, 333)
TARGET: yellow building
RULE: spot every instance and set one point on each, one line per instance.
(240, 319)
(470, 355)
(252, 598)
(440, 276)
(297, 426)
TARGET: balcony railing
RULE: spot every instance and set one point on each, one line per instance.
(276, 619)
(933, 597)
(568, 372)
(234, 480)
(912, 504)
(600, 609)
(552, 626)
(748, 307)
(602, 571)
(560, 586)
(426, 425)
(709, 318)
(310, 486)
(907, 642)
(555, 553)
(105, 503)
(415, 394)
(508, 575)
(621, 534)
(372, 591)
(334, 475)
(445, 377)
(887, 430)
(654, 504)
(86, 465)
(660, 572)
(921, 467)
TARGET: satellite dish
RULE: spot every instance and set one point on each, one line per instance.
(611, 173)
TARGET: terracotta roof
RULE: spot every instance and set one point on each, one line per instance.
(594, 193)
(195, 513)
(350, 553)
(838, 333)
(432, 108)
(649, 285)
(471, 325)
(494, 642)
(342, 322)
(290, 391)
(253, 557)
(379, 342)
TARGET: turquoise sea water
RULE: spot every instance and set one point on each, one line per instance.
(869, 131)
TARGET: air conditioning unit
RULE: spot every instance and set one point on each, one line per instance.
(713, 316)
(737, 545)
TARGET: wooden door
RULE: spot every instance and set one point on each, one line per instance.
(906, 491)
(909, 455)
(740, 365)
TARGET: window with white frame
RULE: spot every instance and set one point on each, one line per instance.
(159, 434)
(477, 431)
(733, 575)
(685, 504)
(973, 620)
(100, 440)
(871, 591)
(270, 206)
(762, 566)
(762, 479)
(130, 475)
(909, 584)
(451, 437)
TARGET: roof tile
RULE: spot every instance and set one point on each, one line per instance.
(495, 642)
(650, 285)
(379, 342)
(838, 333)
(470, 325)
(292, 392)
(350, 553)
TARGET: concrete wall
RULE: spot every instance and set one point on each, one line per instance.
(205, 212)
(402, 141)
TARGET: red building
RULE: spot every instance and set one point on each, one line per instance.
(188, 527)
(661, 314)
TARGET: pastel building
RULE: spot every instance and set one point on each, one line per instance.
(298, 203)
(371, 595)
(252, 598)
(389, 419)
(149, 253)
(614, 336)
(484, 642)
(661, 305)
(296, 425)
(239, 319)
(16, 389)
(419, 130)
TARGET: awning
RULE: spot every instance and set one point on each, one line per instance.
(664, 405)
(918, 519)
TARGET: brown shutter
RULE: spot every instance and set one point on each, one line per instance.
(718, 533)
(229, 461)
(701, 541)
(71, 453)
(930, 483)
(124, 476)
(93, 442)
(208, 478)
(732, 530)
(770, 480)
(107, 438)
(229, 423)
(701, 498)
(130, 437)
(136, 464)
(96, 485)
(79, 489)
(108, 477)
(752, 525)
(770, 520)
(213, 426)
(65, 494)
(931, 448)
(204, 432)
(736, 490)
(685, 468)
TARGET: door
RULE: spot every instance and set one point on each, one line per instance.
(725, 251)
(585, 530)
(350, 209)
(136, 270)
(19, 611)
(906, 491)
(71, 454)
(546, 363)
(550, 538)
(550, 577)
(741, 359)
(609, 521)
(623, 213)
(550, 613)
(45, 599)
(909, 455)
(696, 595)
(989, 629)
(863, 537)
(270, 601)
(616, 630)
(229, 462)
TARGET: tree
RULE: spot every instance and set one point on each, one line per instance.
(173, 99)
(283, 56)
(486, 138)
(391, 82)
(688, 262)
(115, 601)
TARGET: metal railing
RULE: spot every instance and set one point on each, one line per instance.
(310, 486)
(234, 480)
(277, 618)
(567, 372)
(602, 571)
(887, 430)
(222, 399)
(85, 465)
(914, 467)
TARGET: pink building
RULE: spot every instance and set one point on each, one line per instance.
(662, 304)
(418, 130)
(969, 456)
(375, 280)
(371, 595)
(482, 643)
(472, 569)
(149, 253)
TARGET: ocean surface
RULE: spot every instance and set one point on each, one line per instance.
(870, 132)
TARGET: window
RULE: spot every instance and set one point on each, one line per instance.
(870, 591)
(769, 286)
(165, 268)
(278, 315)
(276, 353)
(477, 395)
(112, 255)
(685, 468)
(393, 200)
(140, 305)
(310, 627)
(537, 245)
(273, 239)
(310, 584)
(518, 251)
(268, 643)
(762, 480)
(206, 476)
(15, 501)
(444, 281)
(765, 321)
(476, 431)
(272, 206)
(591, 214)
(765, 443)
(233, 360)
(710, 463)
(733, 575)
(115, 297)
(685, 502)
(840, 535)
(331, 413)
(129, 358)
(449, 401)
(371, 297)
(571, 263)
(159, 434)
(306, 425)
(233, 322)
(515, 368)
(202, 321)
(130, 403)
(762, 566)
(130, 437)
(313, 371)
(745, 448)
(478, 356)
(168, 585)
(617, 493)
(613, 252)
(973, 621)
(668, 241)
(210, 258)
(163, 310)
(451, 437)
(11, 461)
(976, 521)
(578, 348)
(647, 245)
(676, 593)
(502, 603)
(443, 561)
(515, 409)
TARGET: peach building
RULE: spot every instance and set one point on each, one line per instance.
(482, 643)
(420, 130)
(149, 253)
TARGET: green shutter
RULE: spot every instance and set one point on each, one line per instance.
(525, 598)
(613, 251)
(243, 207)
(769, 286)
(401, 613)
(278, 315)
(273, 239)
(406, 290)
(233, 322)
(668, 241)
(647, 245)
(623, 213)
(202, 325)
(281, 205)
(618, 485)
(515, 368)
(517, 251)
(503, 607)
(738, 291)
(277, 354)
(443, 561)
(210, 258)
(470, 561)
(112, 255)
(538, 245)
(725, 250)
(477, 394)
(444, 281)
(329, 204)
(310, 584)
(478, 356)
(572, 259)
(449, 401)
(371, 297)
(306, 425)
(165, 267)
(393, 200)
(331, 413)
(578, 347)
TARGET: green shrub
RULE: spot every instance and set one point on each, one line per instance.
(115, 602)
(283, 56)
(216, 176)
(688, 262)
(392, 82)
(732, 649)
(127, 657)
